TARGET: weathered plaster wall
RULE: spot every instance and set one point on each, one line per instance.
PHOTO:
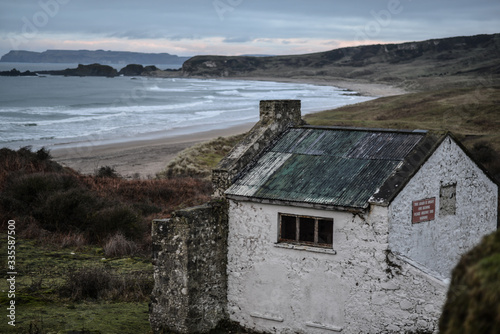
(189, 253)
(438, 244)
(362, 288)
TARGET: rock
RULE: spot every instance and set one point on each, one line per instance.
(393, 328)
(93, 70)
(131, 70)
(405, 305)
(16, 73)
(150, 68)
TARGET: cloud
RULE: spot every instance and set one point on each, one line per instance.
(277, 27)
(237, 39)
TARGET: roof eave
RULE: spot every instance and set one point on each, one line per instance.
(298, 204)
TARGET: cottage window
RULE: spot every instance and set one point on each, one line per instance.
(448, 199)
(306, 230)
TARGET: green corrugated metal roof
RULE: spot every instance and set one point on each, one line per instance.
(333, 167)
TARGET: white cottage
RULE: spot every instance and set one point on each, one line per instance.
(350, 230)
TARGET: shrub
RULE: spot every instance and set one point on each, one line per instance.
(32, 230)
(119, 246)
(23, 190)
(26, 161)
(114, 219)
(87, 283)
(43, 154)
(103, 282)
(107, 171)
(70, 239)
(46, 199)
(66, 210)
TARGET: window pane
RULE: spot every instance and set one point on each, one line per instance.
(288, 227)
(306, 229)
(325, 231)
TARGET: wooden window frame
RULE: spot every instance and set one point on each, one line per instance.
(297, 240)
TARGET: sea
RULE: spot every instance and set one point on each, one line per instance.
(57, 111)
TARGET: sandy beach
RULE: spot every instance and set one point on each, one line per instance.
(145, 158)
(135, 159)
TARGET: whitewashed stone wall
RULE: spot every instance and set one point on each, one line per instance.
(362, 288)
(438, 244)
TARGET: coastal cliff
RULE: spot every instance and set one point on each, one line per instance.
(91, 57)
(414, 66)
(411, 65)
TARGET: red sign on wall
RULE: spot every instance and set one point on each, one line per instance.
(423, 210)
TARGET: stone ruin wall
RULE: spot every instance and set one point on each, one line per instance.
(189, 257)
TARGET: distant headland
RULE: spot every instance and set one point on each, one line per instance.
(91, 57)
(461, 61)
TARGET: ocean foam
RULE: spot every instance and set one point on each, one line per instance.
(72, 109)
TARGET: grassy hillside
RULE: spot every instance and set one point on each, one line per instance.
(448, 62)
(472, 114)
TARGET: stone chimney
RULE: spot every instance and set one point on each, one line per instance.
(280, 111)
(275, 117)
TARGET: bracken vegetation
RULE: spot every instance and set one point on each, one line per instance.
(46, 200)
(83, 242)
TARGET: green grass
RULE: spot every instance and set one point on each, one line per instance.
(200, 159)
(85, 316)
(43, 271)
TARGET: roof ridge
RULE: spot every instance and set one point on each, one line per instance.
(353, 128)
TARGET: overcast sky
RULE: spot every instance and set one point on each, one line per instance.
(232, 27)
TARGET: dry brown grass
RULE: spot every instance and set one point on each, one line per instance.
(119, 246)
(25, 161)
(155, 196)
(57, 205)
